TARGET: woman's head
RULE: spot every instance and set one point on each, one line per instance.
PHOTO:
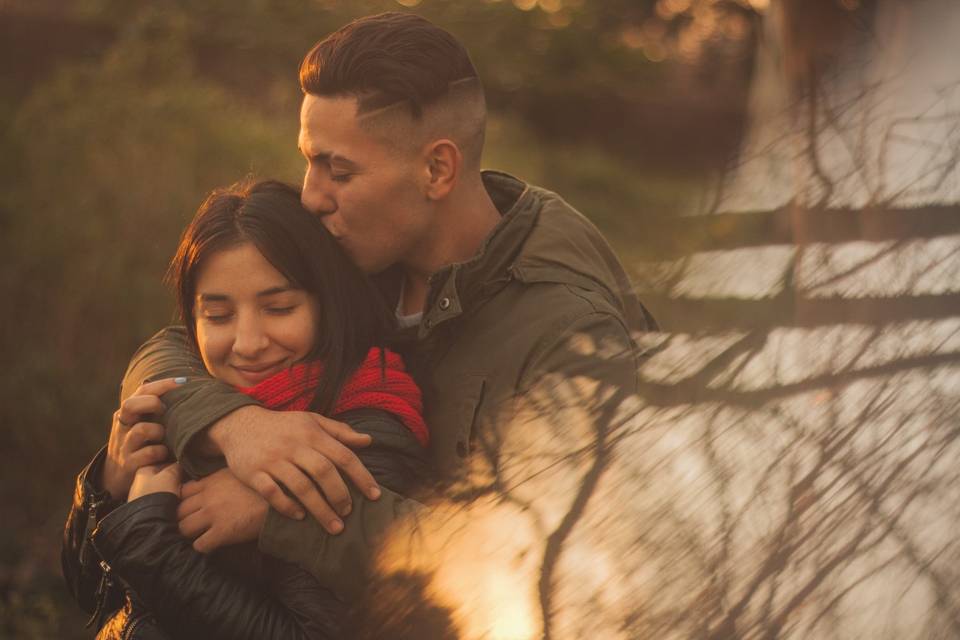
(261, 284)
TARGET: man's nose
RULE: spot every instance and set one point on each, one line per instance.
(317, 196)
(250, 339)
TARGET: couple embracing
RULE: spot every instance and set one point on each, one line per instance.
(343, 347)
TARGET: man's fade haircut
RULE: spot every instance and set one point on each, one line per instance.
(401, 60)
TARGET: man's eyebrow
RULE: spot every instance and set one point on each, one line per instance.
(329, 157)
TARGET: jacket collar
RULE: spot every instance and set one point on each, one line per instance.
(460, 287)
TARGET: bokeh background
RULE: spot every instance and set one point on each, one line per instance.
(751, 161)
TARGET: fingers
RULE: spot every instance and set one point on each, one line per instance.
(135, 407)
(147, 457)
(159, 387)
(306, 491)
(188, 506)
(142, 434)
(343, 432)
(194, 524)
(145, 400)
(348, 463)
(209, 541)
(191, 488)
(324, 474)
(274, 495)
(119, 424)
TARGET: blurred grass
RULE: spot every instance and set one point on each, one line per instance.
(104, 161)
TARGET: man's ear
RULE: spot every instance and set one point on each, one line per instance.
(443, 161)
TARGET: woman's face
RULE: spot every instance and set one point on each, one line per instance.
(251, 323)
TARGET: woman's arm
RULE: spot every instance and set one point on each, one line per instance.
(80, 563)
(103, 485)
(190, 596)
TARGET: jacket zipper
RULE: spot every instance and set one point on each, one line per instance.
(95, 502)
(132, 626)
(106, 583)
(103, 590)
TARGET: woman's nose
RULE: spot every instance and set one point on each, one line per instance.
(250, 338)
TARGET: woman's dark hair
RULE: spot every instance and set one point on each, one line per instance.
(352, 317)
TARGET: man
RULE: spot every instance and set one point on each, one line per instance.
(490, 278)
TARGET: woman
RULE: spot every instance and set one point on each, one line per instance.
(275, 308)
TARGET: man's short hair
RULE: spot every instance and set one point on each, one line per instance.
(386, 59)
(403, 61)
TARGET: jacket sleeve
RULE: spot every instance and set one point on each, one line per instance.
(192, 407)
(593, 346)
(79, 562)
(399, 464)
(187, 592)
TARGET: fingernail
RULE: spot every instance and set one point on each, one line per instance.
(374, 493)
(346, 511)
(179, 380)
(335, 527)
(300, 515)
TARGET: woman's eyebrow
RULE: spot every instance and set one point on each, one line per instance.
(213, 297)
(274, 290)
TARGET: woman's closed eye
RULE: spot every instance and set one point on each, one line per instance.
(281, 311)
(217, 318)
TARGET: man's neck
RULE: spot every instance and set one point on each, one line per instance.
(463, 223)
(415, 292)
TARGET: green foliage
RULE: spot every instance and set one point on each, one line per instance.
(108, 150)
(114, 158)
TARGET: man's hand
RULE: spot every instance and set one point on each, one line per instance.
(300, 450)
(220, 510)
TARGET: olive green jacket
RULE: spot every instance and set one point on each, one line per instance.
(492, 328)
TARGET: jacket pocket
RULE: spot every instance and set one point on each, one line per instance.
(469, 413)
(453, 423)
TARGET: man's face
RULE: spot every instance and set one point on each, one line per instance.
(365, 191)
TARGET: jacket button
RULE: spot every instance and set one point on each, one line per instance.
(444, 304)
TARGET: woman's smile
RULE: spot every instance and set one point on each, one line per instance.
(257, 373)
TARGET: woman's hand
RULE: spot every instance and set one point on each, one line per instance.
(156, 478)
(134, 442)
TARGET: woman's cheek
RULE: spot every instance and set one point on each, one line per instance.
(214, 343)
(300, 332)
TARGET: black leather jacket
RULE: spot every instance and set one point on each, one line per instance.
(128, 565)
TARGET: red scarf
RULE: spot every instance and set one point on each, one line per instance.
(389, 388)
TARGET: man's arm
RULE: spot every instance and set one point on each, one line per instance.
(399, 463)
(219, 511)
(594, 347)
(208, 422)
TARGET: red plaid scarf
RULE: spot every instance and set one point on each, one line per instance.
(389, 388)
